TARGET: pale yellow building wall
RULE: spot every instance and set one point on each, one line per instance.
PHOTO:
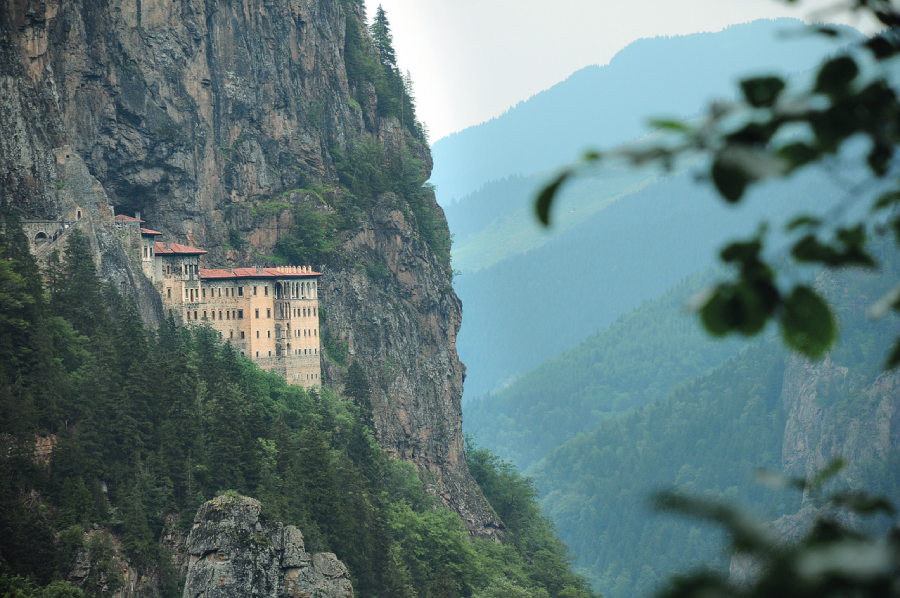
(249, 313)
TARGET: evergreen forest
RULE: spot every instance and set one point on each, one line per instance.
(144, 426)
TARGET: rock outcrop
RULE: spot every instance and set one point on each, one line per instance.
(234, 552)
(832, 413)
(194, 113)
(399, 317)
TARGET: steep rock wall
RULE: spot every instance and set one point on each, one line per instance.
(391, 308)
(189, 111)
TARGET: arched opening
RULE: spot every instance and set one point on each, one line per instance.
(78, 215)
(41, 238)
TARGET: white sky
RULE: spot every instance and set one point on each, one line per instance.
(471, 60)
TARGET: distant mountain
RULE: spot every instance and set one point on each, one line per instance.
(609, 105)
(639, 359)
(759, 409)
(532, 306)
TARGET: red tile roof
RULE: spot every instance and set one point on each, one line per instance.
(161, 249)
(148, 231)
(280, 272)
(124, 218)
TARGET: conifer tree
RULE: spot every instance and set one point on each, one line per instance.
(384, 41)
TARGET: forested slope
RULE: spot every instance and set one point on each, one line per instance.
(112, 436)
(636, 361)
(709, 435)
(535, 305)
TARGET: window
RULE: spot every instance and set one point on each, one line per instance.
(227, 315)
(204, 314)
(195, 315)
(257, 334)
(220, 314)
(188, 315)
(266, 290)
(170, 310)
(231, 334)
(242, 335)
(257, 314)
(204, 293)
(314, 312)
(315, 332)
(220, 292)
(214, 314)
(240, 314)
(304, 351)
(240, 291)
(169, 294)
(304, 312)
(270, 354)
(254, 290)
(257, 353)
(145, 251)
(268, 334)
(268, 312)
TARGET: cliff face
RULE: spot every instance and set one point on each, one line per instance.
(830, 414)
(193, 112)
(399, 316)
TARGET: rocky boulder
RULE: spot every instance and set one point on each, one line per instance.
(233, 552)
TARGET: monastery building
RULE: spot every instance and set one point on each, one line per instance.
(271, 315)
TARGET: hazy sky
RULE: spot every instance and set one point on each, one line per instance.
(473, 59)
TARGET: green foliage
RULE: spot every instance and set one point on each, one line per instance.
(774, 133)
(639, 359)
(547, 567)
(368, 170)
(313, 239)
(705, 439)
(19, 587)
(148, 425)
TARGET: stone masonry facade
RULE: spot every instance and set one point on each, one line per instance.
(270, 315)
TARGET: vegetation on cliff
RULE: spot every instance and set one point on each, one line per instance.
(144, 427)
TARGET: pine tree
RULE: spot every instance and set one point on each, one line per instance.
(357, 388)
(384, 41)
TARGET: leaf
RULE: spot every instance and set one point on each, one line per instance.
(798, 154)
(835, 75)
(716, 315)
(762, 92)
(744, 307)
(547, 195)
(753, 133)
(880, 158)
(863, 504)
(670, 125)
(803, 221)
(730, 180)
(887, 200)
(826, 31)
(893, 359)
(807, 324)
(849, 250)
(832, 469)
(881, 47)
